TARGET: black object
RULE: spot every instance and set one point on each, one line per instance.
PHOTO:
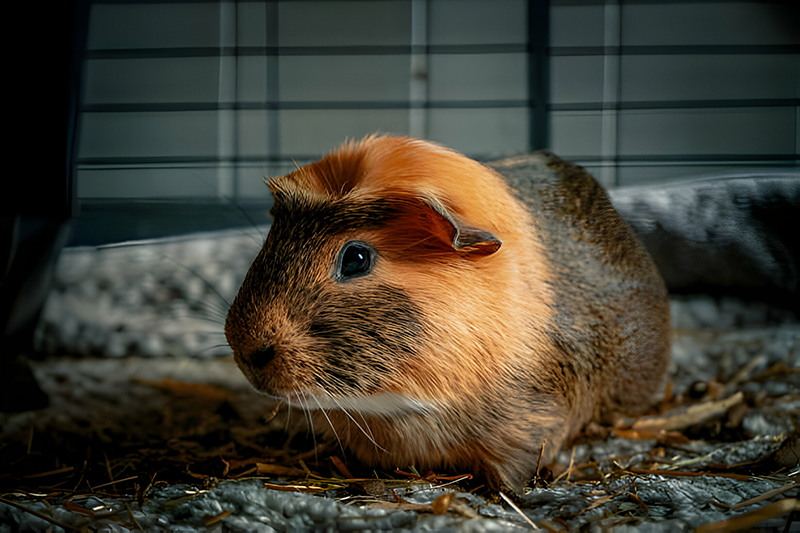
(45, 80)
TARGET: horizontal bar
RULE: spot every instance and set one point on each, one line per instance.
(676, 104)
(677, 49)
(93, 163)
(169, 107)
(467, 49)
(349, 50)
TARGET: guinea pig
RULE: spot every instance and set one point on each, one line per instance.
(427, 311)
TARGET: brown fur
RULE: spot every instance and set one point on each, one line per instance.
(501, 314)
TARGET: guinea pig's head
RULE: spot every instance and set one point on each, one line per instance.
(370, 268)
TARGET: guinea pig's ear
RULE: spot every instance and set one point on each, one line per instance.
(463, 237)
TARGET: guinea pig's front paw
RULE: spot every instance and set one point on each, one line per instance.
(507, 482)
(510, 476)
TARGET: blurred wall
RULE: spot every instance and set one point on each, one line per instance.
(194, 102)
(652, 91)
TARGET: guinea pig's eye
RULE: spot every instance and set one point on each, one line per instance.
(355, 259)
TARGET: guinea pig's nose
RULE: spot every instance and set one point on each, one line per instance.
(261, 357)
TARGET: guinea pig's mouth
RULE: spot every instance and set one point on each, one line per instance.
(379, 404)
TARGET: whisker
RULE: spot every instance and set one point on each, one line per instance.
(234, 204)
(212, 320)
(214, 347)
(146, 324)
(368, 435)
(330, 424)
(288, 416)
(199, 311)
(310, 421)
(364, 420)
(201, 278)
(342, 409)
(371, 436)
(213, 309)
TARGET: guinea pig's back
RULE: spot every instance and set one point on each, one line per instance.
(612, 311)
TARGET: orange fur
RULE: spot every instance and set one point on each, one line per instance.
(499, 313)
